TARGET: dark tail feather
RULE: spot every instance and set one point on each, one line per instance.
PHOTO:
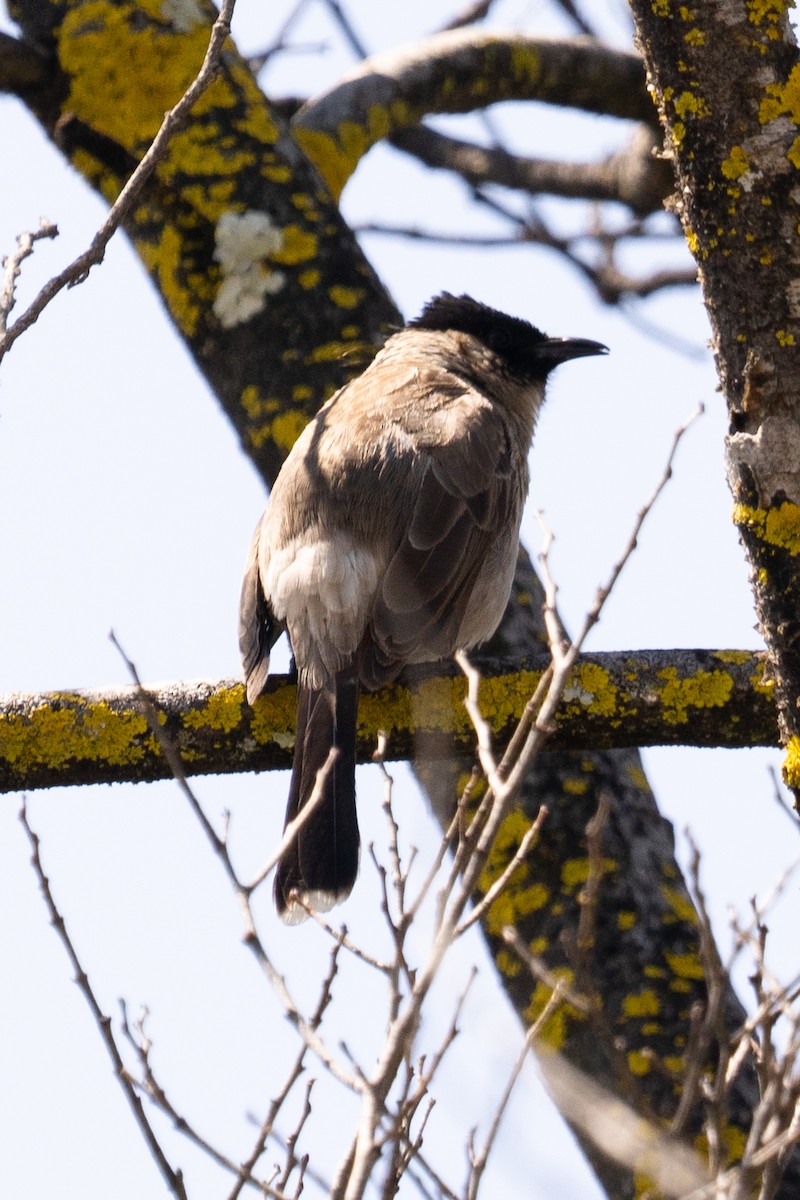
(322, 862)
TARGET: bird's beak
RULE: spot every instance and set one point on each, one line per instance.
(558, 350)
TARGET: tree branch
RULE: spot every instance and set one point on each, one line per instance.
(457, 72)
(642, 698)
(633, 176)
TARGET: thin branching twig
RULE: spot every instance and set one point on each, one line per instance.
(172, 1177)
(80, 267)
(12, 265)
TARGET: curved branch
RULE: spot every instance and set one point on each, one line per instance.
(259, 273)
(457, 72)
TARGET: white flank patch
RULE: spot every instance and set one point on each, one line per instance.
(323, 587)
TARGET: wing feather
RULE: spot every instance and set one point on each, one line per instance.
(458, 502)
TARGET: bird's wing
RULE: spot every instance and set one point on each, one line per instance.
(464, 495)
(258, 627)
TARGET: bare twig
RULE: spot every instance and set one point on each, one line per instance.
(172, 1178)
(12, 265)
(527, 842)
(563, 660)
(538, 969)
(267, 1127)
(77, 270)
(243, 893)
(474, 12)
(588, 898)
(780, 799)
(479, 1159)
(620, 1132)
(505, 783)
(141, 1044)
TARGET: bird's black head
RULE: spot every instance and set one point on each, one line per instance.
(523, 348)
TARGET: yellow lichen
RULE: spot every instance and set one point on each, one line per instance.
(733, 657)
(514, 902)
(597, 693)
(639, 1063)
(126, 67)
(164, 259)
(642, 1004)
(703, 689)
(553, 1032)
(222, 711)
(690, 104)
(675, 1062)
(68, 728)
(334, 164)
(778, 526)
(284, 429)
(280, 727)
(791, 764)
(575, 871)
(638, 778)
(679, 903)
(526, 64)
(782, 99)
(736, 164)
(507, 963)
(684, 966)
(767, 15)
(298, 245)
(575, 786)
(332, 351)
(346, 297)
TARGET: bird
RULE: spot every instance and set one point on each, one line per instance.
(390, 537)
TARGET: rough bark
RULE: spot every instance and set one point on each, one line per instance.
(726, 79)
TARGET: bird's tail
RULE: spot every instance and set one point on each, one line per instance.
(321, 864)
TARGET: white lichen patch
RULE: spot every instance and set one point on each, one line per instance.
(579, 694)
(183, 15)
(243, 242)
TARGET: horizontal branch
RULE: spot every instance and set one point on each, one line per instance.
(637, 698)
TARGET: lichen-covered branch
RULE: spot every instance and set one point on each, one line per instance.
(260, 275)
(639, 698)
(458, 72)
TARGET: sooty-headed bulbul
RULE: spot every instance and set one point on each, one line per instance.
(391, 537)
